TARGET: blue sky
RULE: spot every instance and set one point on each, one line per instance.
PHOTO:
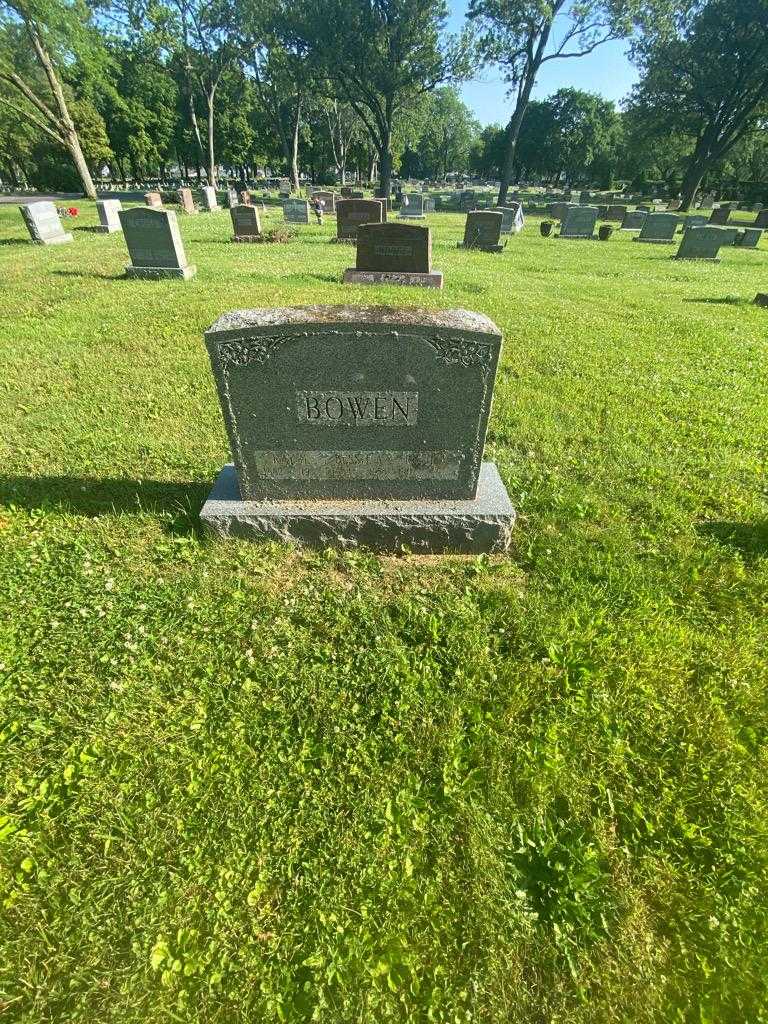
(606, 71)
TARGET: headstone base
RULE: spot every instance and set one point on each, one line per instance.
(58, 240)
(480, 248)
(656, 241)
(579, 238)
(761, 299)
(697, 259)
(105, 229)
(153, 273)
(247, 238)
(411, 216)
(434, 279)
(344, 241)
(482, 524)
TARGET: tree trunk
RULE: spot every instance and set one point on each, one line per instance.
(385, 163)
(513, 133)
(691, 181)
(295, 148)
(211, 156)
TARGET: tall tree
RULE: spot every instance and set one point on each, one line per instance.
(707, 79)
(382, 55)
(522, 35)
(51, 32)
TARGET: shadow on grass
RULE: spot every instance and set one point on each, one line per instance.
(90, 273)
(14, 241)
(177, 504)
(726, 300)
(749, 539)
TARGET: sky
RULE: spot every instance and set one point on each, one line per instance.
(606, 71)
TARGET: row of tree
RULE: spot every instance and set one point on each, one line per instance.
(368, 85)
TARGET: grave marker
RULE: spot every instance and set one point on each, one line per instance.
(358, 426)
(659, 228)
(210, 202)
(633, 220)
(412, 206)
(186, 201)
(154, 200)
(482, 230)
(579, 222)
(720, 216)
(351, 213)
(44, 224)
(154, 244)
(513, 220)
(748, 238)
(246, 226)
(704, 243)
(761, 221)
(109, 220)
(296, 211)
(615, 212)
(394, 254)
(326, 197)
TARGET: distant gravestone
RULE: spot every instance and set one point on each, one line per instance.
(186, 202)
(108, 211)
(559, 211)
(482, 230)
(704, 243)
(761, 221)
(154, 244)
(394, 254)
(357, 193)
(707, 203)
(153, 200)
(584, 198)
(675, 204)
(296, 211)
(232, 197)
(615, 212)
(44, 224)
(355, 426)
(602, 212)
(412, 206)
(210, 202)
(579, 222)
(720, 216)
(748, 238)
(633, 220)
(346, 192)
(466, 200)
(512, 218)
(326, 197)
(351, 213)
(659, 228)
(246, 226)
(284, 187)
(429, 204)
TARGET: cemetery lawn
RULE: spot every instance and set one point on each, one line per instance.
(248, 784)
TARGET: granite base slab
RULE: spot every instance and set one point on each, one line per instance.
(411, 216)
(247, 238)
(105, 229)
(481, 248)
(434, 279)
(761, 299)
(656, 241)
(59, 240)
(154, 273)
(482, 524)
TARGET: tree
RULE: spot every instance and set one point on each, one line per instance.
(487, 154)
(51, 31)
(585, 129)
(707, 79)
(520, 36)
(381, 55)
(450, 132)
(344, 129)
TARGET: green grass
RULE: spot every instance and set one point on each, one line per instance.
(247, 783)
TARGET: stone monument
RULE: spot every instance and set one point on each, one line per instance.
(579, 222)
(44, 224)
(186, 202)
(633, 220)
(296, 211)
(704, 243)
(154, 244)
(412, 206)
(351, 213)
(659, 229)
(513, 220)
(748, 238)
(326, 197)
(210, 202)
(482, 230)
(246, 225)
(153, 200)
(358, 426)
(394, 254)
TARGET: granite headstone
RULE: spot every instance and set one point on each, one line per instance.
(154, 244)
(44, 224)
(633, 220)
(659, 228)
(108, 211)
(296, 211)
(394, 253)
(579, 222)
(704, 243)
(210, 202)
(246, 225)
(351, 213)
(482, 230)
(186, 202)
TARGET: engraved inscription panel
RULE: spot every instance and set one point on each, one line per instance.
(358, 408)
(358, 465)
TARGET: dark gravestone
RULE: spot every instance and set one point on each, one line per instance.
(659, 228)
(394, 254)
(512, 218)
(358, 425)
(720, 216)
(186, 202)
(412, 206)
(359, 194)
(748, 238)
(109, 220)
(559, 211)
(44, 224)
(482, 230)
(246, 226)
(579, 222)
(633, 220)
(346, 192)
(296, 211)
(694, 220)
(615, 212)
(761, 221)
(705, 242)
(351, 213)
(466, 200)
(154, 244)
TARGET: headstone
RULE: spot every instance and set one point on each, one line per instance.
(108, 210)
(467, 200)
(153, 200)
(232, 197)
(615, 212)
(482, 230)
(412, 206)
(761, 221)
(695, 220)
(246, 226)
(720, 216)
(674, 205)
(358, 426)
(579, 222)
(394, 254)
(707, 203)
(512, 218)
(359, 194)
(748, 238)
(559, 211)
(326, 197)
(245, 197)
(186, 201)
(296, 211)
(633, 220)
(154, 244)
(429, 204)
(351, 213)
(284, 187)
(210, 202)
(584, 198)
(705, 242)
(659, 228)
(346, 192)
(602, 212)
(44, 224)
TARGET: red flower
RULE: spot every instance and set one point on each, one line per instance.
(73, 211)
